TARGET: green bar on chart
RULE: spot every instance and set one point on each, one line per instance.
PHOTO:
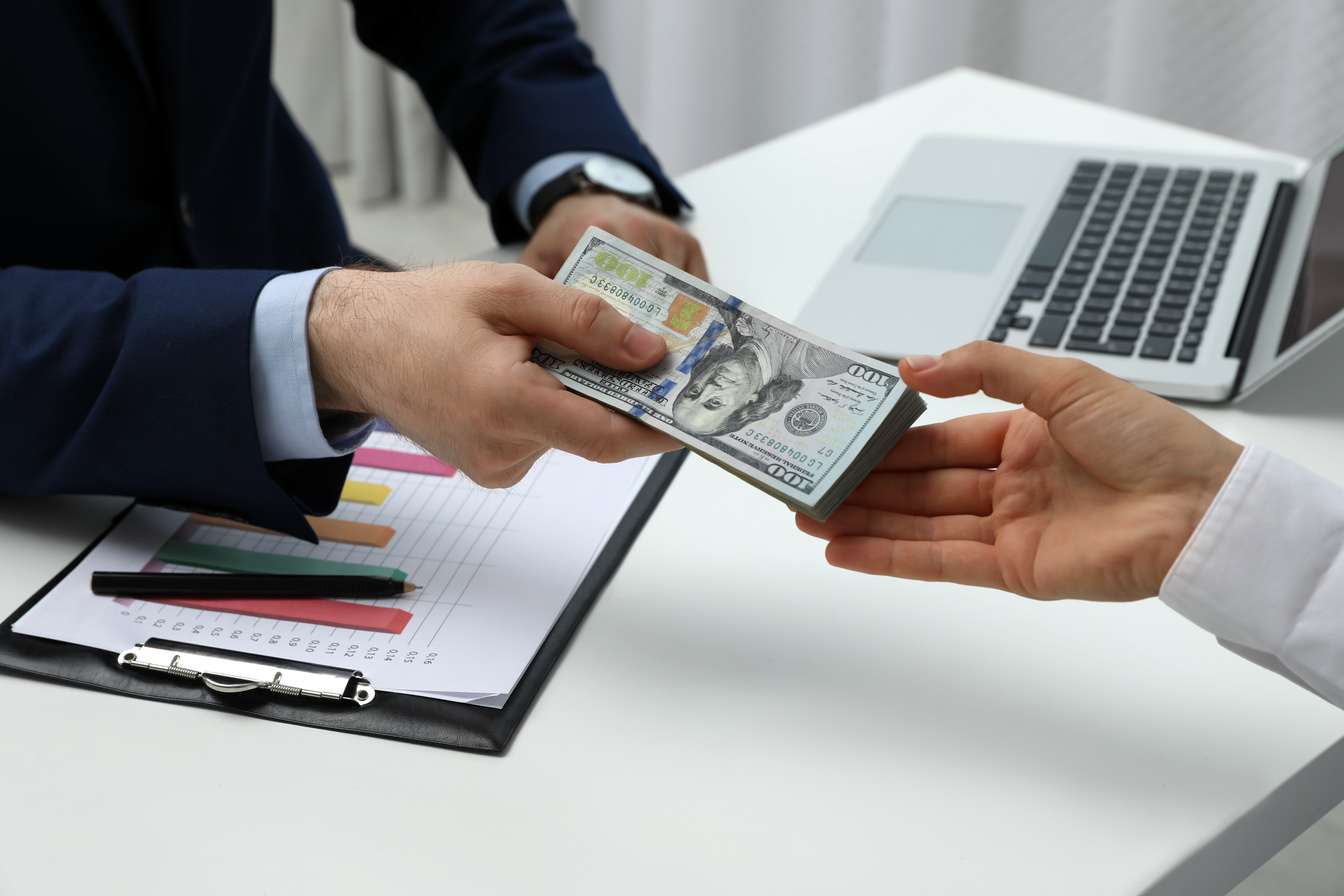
(210, 556)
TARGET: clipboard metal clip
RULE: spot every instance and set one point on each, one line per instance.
(230, 672)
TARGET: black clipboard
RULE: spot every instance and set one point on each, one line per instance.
(399, 716)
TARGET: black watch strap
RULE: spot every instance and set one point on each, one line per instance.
(572, 181)
(576, 180)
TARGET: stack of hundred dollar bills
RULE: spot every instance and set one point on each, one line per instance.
(793, 414)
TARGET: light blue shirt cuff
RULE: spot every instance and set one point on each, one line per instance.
(282, 383)
(542, 173)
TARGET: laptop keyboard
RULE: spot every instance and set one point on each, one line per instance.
(1142, 276)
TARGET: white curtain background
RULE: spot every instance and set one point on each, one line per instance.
(704, 78)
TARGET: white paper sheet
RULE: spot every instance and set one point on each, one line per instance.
(496, 568)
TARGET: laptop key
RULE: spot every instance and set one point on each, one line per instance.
(1049, 331)
(1187, 354)
(1085, 334)
(998, 334)
(1125, 334)
(1157, 347)
(1059, 308)
(1055, 238)
(1105, 348)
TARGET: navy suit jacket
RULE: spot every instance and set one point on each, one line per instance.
(151, 184)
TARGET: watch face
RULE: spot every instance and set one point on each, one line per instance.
(618, 176)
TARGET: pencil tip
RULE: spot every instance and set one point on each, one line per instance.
(408, 587)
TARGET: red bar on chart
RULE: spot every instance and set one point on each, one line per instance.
(402, 462)
(335, 613)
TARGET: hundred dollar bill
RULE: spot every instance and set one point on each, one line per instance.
(791, 413)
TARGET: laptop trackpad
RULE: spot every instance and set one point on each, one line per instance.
(941, 234)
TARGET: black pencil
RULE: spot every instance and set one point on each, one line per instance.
(192, 584)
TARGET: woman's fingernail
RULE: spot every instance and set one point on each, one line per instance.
(918, 363)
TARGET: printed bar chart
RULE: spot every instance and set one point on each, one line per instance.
(365, 493)
(335, 613)
(403, 462)
(327, 529)
(222, 559)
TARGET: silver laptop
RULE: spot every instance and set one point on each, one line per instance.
(1194, 277)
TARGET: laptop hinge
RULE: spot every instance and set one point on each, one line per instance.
(1262, 273)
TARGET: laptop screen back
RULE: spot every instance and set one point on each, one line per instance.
(1319, 294)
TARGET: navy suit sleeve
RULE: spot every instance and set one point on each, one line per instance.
(140, 387)
(510, 83)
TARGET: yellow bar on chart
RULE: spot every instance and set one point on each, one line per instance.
(326, 529)
(365, 493)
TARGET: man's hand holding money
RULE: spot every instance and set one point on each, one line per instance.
(442, 355)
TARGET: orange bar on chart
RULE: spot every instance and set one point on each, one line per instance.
(327, 529)
(365, 493)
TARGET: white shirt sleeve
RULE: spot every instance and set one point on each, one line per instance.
(282, 384)
(1264, 571)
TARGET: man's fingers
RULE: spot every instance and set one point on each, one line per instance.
(580, 426)
(544, 264)
(662, 237)
(695, 260)
(1044, 385)
(963, 562)
(677, 247)
(583, 322)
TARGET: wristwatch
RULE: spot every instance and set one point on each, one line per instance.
(600, 174)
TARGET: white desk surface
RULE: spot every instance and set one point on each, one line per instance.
(734, 716)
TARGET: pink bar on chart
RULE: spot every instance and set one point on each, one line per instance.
(402, 462)
(335, 613)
